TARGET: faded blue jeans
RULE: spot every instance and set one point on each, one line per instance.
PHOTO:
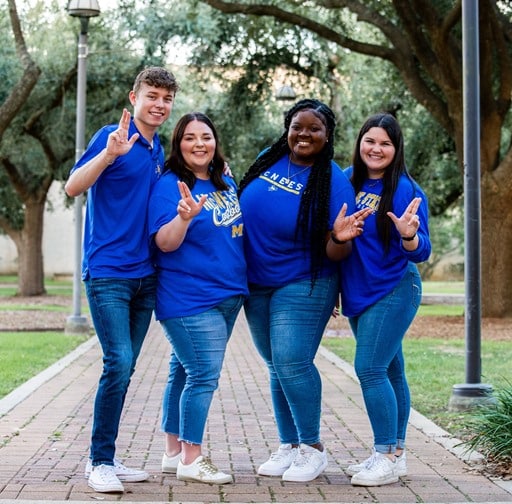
(379, 361)
(121, 310)
(287, 324)
(198, 347)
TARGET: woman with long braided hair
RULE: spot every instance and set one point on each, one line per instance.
(297, 204)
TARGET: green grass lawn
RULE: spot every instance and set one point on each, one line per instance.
(440, 310)
(25, 354)
(434, 366)
(29, 307)
(443, 287)
(54, 287)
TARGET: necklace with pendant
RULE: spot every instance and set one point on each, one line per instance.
(375, 182)
(297, 173)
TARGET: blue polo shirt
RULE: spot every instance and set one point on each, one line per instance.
(115, 243)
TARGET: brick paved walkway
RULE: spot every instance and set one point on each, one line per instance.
(44, 439)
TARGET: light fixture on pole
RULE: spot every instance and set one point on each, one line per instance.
(285, 94)
(84, 10)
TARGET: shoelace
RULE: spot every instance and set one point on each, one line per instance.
(117, 465)
(370, 460)
(301, 459)
(277, 455)
(107, 475)
(377, 462)
(207, 466)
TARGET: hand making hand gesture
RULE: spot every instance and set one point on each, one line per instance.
(188, 207)
(407, 225)
(346, 227)
(118, 143)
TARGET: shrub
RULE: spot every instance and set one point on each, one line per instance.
(489, 430)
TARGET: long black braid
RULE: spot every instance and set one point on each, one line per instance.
(313, 217)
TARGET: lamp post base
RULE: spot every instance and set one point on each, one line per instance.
(468, 396)
(76, 324)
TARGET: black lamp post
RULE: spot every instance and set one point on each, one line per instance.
(473, 393)
(83, 10)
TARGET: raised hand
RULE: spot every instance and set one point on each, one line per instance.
(188, 207)
(346, 227)
(118, 142)
(408, 223)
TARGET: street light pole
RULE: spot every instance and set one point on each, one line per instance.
(473, 393)
(84, 10)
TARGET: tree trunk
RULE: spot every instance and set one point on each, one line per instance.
(29, 244)
(496, 235)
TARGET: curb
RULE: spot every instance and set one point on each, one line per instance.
(8, 402)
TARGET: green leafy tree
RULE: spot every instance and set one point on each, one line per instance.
(422, 40)
(230, 70)
(234, 62)
(37, 117)
(21, 80)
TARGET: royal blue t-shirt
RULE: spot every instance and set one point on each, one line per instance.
(209, 266)
(270, 205)
(369, 273)
(115, 243)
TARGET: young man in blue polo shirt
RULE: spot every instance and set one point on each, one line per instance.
(118, 169)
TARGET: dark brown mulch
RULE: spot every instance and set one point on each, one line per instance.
(449, 327)
(444, 327)
(33, 317)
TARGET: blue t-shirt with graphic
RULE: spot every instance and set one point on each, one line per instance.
(209, 266)
(115, 241)
(270, 205)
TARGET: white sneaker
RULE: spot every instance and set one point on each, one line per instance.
(122, 472)
(401, 465)
(202, 471)
(103, 479)
(381, 471)
(279, 461)
(170, 464)
(307, 465)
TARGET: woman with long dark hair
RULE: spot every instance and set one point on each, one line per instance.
(196, 225)
(381, 289)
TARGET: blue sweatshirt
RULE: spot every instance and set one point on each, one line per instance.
(369, 273)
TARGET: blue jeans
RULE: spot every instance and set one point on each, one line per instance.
(287, 324)
(198, 347)
(121, 310)
(379, 360)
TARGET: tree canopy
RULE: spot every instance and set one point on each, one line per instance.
(422, 40)
(229, 56)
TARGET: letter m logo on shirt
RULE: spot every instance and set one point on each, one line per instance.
(237, 230)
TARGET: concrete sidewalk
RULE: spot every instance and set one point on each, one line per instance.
(45, 428)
